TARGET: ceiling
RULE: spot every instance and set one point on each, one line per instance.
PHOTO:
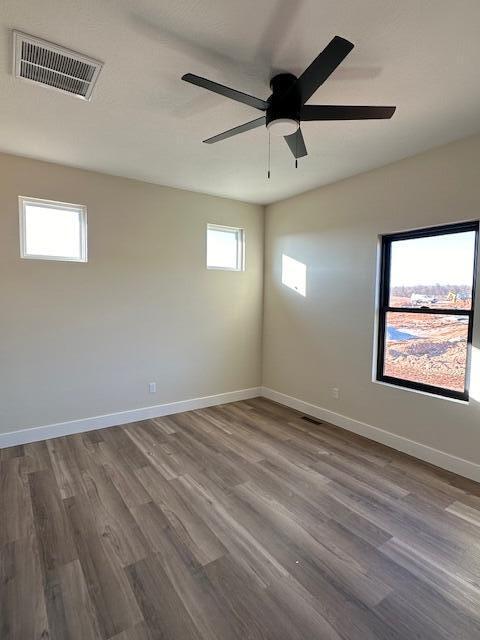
(144, 122)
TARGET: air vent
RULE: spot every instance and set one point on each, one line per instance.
(312, 420)
(53, 66)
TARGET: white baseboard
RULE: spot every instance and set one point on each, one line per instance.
(439, 458)
(34, 434)
(416, 449)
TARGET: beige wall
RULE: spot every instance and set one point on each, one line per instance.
(326, 339)
(79, 340)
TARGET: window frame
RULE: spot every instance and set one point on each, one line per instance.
(24, 201)
(384, 307)
(240, 233)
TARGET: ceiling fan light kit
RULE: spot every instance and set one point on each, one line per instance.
(283, 126)
(286, 107)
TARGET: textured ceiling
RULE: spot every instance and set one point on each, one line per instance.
(144, 122)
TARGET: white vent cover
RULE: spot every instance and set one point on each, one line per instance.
(53, 66)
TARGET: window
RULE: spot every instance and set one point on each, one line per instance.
(426, 309)
(225, 248)
(52, 230)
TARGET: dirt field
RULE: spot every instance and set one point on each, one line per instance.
(397, 301)
(430, 349)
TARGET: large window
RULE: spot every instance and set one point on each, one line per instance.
(225, 248)
(52, 230)
(426, 309)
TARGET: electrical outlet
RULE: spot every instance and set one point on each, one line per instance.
(335, 393)
(152, 387)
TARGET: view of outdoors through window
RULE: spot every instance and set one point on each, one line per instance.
(434, 272)
(431, 349)
(52, 231)
(224, 248)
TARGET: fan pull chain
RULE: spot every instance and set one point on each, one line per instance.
(296, 148)
(268, 172)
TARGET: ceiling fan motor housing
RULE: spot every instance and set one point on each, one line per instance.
(284, 103)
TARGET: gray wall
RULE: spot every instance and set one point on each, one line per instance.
(79, 340)
(326, 339)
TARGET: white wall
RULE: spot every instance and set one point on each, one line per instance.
(325, 340)
(80, 340)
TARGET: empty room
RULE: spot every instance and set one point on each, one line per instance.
(239, 320)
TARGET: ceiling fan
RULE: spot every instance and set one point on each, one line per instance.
(285, 109)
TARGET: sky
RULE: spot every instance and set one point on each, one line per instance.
(446, 259)
(52, 232)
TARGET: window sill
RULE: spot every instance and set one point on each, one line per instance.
(423, 393)
(224, 269)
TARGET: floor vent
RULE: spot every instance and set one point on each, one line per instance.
(312, 420)
(53, 66)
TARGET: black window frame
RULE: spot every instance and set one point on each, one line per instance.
(385, 308)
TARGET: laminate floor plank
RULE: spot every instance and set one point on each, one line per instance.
(239, 521)
(263, 553)
(66, 466)
(111, 595)
(226, 442)
(165, 615)
(55, 542)
(190, 592)
(336, 614)
(465, 512)
(463, 593)
(285, 492)
(165, 424)
(23, 609)
(195, 462)
(207, 457)
(138, 632)
(122, 476)
(337, 567)
(154, 523)
(263, 424)
(236, 436)
(412, 527)
(156, 449)
(118, 438)
(52, 527)
(71, 614)
(251, 610)
(112, 520)
(16, 519)
(36, 458)
(245, 548)
(456, 523)
(190, 527)
(423, 610)
(12, 452)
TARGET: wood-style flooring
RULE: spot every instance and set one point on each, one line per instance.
(242, 521)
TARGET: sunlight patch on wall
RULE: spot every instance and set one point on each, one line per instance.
(475, 375)
(294, 275)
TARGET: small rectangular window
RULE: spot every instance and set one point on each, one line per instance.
(52, 230)
(225, 248)
(427, 293)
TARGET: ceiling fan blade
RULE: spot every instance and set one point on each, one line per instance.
(253, 124)
(345, 112)
(322, 67)
(257, 103)
(296, 143)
